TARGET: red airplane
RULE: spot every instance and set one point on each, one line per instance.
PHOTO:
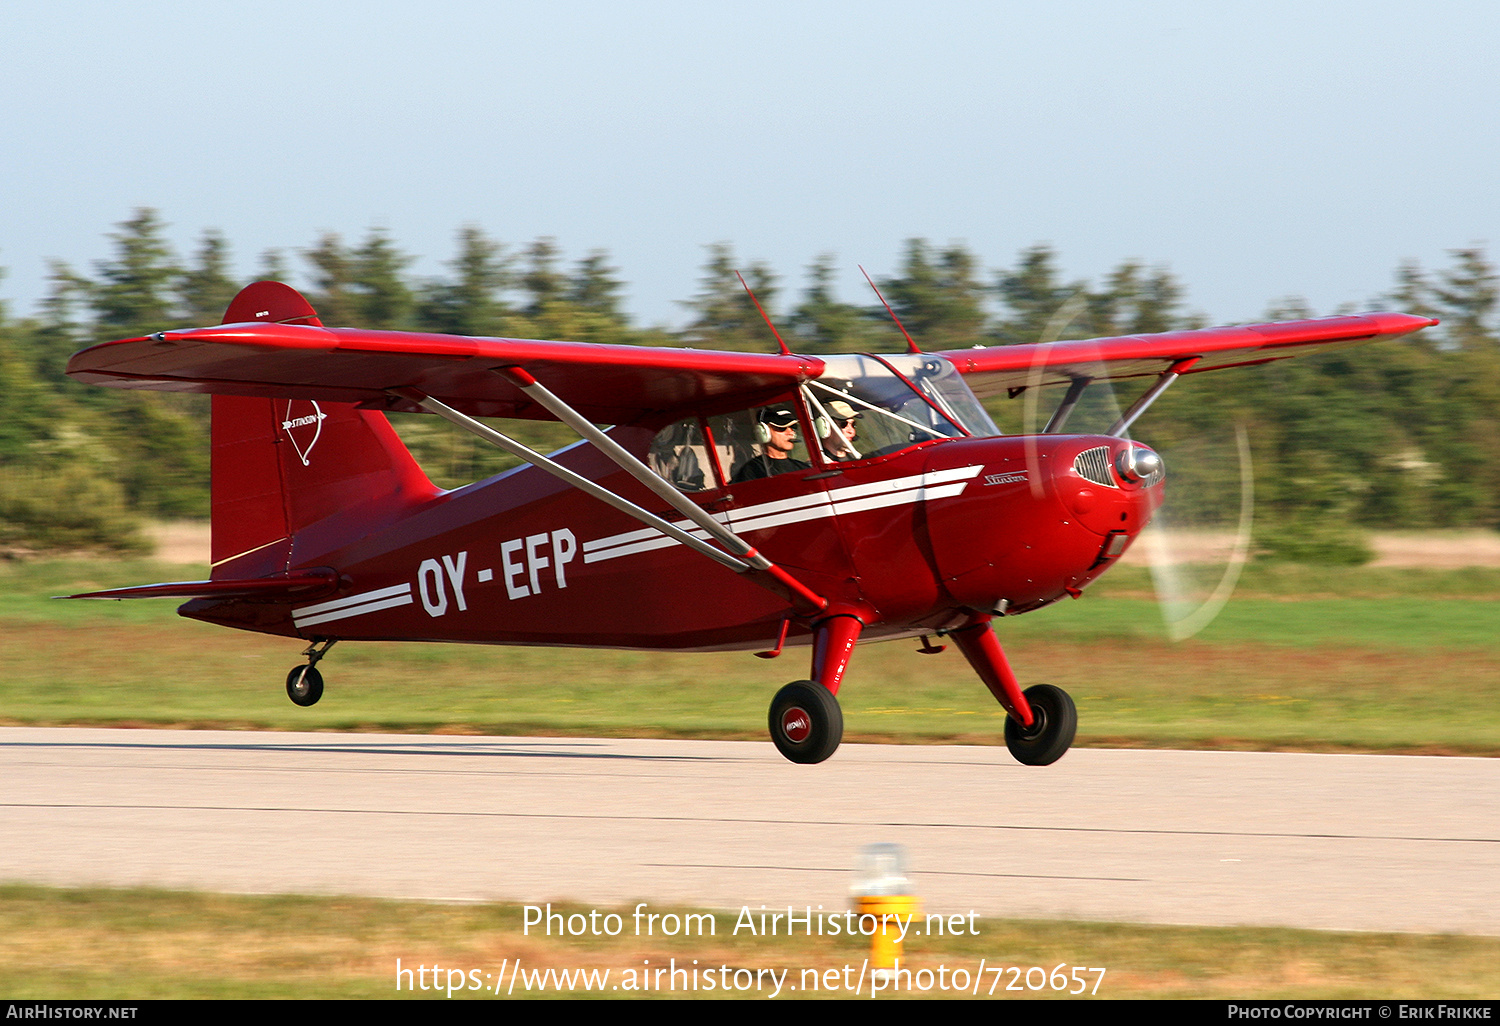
(741, 501)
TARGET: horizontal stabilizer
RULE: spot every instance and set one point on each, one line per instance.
(298, 587)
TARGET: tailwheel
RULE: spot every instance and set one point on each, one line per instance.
(304, 685)
(806, 722)
(1054, 722)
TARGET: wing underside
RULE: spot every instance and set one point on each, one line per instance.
(991, 371)
(607, 384)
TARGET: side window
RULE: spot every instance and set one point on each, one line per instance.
(762, 442)
(837, 425)
(678, 453)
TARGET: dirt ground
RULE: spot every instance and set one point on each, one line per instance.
(1432, 550)
(188, 542)
(180, 541)
(1442, 550)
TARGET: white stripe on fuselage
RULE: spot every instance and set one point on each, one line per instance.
(353, 605)
(816, 506)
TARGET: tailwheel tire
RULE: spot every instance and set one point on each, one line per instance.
(1055, 721)
(304, 685)
(806, 722)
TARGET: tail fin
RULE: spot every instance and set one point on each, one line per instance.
(281, 466)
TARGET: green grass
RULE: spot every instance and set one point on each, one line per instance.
(100, 944)
(1372, 661)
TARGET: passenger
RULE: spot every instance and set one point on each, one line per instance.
(839, 442)
(776, 429)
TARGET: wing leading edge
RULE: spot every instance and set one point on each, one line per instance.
(990, 371)
(608, 384)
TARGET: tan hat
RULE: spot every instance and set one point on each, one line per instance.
(841, 410)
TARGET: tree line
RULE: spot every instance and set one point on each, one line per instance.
(1391, 435)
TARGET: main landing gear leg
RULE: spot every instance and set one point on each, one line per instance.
(304, 685)
(1042, 720)
(806, 721)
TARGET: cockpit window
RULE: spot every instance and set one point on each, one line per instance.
(860, 407)
(763, 442)
(680, 455)
(887, 413)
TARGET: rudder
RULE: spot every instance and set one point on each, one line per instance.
(280, 466)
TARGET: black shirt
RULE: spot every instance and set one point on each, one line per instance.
(763, 466)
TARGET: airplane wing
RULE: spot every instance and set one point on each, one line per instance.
(607, 384)
(621, 384)
(993, 370)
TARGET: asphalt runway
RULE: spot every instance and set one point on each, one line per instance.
(1399, 843)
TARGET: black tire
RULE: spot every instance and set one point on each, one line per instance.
(806, 722)
(304, 685)
(1051, 732)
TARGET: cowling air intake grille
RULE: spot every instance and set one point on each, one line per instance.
(1093, 465)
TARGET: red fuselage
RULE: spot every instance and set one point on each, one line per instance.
(914, 542)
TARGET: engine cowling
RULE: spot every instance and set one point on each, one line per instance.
(1047, 515)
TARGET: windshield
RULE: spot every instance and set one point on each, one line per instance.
(867, 406)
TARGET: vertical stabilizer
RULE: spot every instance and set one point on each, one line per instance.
(281, 466)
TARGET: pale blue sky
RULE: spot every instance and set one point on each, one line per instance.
(1259, 150)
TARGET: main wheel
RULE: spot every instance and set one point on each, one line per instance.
(1054, 722)
(304, 685)
(806, 722)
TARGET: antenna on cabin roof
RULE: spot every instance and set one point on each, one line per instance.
(911, 345)
(779, 341)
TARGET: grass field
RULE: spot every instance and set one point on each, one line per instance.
(1325, 660)
(137, 944)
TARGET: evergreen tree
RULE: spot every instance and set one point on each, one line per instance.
(824, 324)
(133, 295)
(332, 291)
(1135, 302)
(273, 267)
(205, 289)
(60, 332)
(30, 410)
(940, 300)
(590, 307)
(724, 314)
(1466, 295)
(542, 283)
(472, 302)
(1413, 294)
(382, 298)
(1033, 294)
(595, 288)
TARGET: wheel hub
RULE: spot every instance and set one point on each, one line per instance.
(1038, 723)
(796, 724)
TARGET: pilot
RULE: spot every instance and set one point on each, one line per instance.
(776, 430)
(839, 441)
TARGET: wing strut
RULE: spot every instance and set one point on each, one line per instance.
(1171, 374)
(1065, 408)
(745, 559)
